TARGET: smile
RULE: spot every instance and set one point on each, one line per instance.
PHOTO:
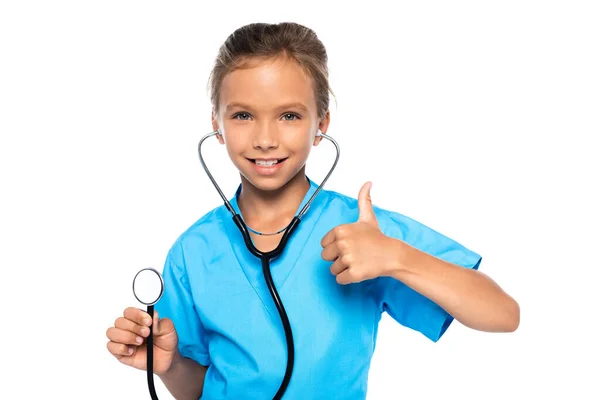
(267, 166)
(267, 163)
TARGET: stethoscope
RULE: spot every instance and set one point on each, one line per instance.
(148, 283)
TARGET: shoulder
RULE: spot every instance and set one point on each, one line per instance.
(339, 202)
(348, 205)
(344, 209)
(197, 237)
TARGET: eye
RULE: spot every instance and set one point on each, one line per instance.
(241, 115)
(291, 116)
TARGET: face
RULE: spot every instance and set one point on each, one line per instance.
(268, 119)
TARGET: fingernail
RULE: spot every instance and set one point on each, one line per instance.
(148, 321)
(130, 351)
(139, 340)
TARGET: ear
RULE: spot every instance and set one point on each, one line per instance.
(215, 126)
(323, 125)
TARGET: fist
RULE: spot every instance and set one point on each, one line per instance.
(127, 340)
(359, 250)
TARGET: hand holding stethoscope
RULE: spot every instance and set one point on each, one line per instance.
(156, 353)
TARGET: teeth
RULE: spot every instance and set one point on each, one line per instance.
(266, 163)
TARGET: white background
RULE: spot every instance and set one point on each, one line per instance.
(479, 119)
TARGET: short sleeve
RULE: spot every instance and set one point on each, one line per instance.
(178, 305)
(402, 303)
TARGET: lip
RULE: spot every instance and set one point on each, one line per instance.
(267, 170)
(266, 159)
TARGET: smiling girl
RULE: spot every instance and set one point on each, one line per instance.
(219, 335)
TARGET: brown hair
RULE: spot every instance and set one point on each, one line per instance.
(266, 41)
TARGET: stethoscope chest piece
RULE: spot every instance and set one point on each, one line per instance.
(148, 286)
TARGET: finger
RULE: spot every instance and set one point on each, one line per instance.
(344, 277)
(156, 323)
(125, 337)
(337, 267)
(330, 252)
(328, 238)
(138, 316)
(162, 326)
(337, 233)
(119, 349)
(128, 325)
(365, 206)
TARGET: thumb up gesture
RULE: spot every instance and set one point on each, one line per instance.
(359, 250)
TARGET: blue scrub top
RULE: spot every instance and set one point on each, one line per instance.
(225, 318)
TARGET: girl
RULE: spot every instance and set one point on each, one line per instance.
(219, 335)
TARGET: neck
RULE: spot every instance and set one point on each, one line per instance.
(267, 210)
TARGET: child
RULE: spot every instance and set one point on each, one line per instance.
(219, 335)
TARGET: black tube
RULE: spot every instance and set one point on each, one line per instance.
(286, 326)
(265, 260)
(150, 358)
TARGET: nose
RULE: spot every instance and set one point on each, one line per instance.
(265, 138)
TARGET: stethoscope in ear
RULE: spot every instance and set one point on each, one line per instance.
(148, 283)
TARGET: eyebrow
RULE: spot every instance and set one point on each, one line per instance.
(281, 107)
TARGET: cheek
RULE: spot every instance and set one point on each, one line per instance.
(236, 135)
(300, 148)
(235, 142)
(299, 142)
(233, 151)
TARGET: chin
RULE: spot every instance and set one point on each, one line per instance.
(269, 183)
(266, 183)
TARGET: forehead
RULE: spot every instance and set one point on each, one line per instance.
(265, 84)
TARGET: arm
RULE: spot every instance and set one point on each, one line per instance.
(410, 263)
(185, 378)
(468, 295)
